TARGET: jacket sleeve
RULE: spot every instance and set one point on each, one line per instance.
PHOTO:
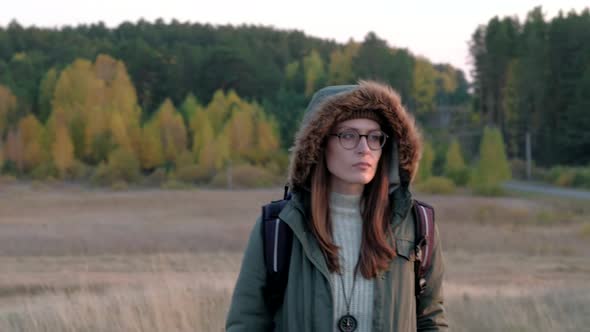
(431, 313)
(248, 311)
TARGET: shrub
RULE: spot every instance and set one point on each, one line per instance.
(425, 169)
(279, 164)
(184, 159)
(7, 179)
(123, 165)
(518, 168)
(436, 185)
(119, 185)
(492, 168)
(565, 178)
(174, 184)
(246, 176)
(193, 174)
(101, 175)
(582, 178)
(44, 171)
(489, 190)
(455, 168)
(155, 178)
(569, 176)
(460, 177)
(585, 231)
(79, 171)
(38, 185)
(554, 173)
(9, 167)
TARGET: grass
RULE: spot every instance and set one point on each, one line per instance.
(585, 231)
(170, 304)
(558, 310)
(79, 259)
(179, 292)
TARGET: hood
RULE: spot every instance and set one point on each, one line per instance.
(331, 104)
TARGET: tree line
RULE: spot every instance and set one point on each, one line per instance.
(95, 121)
(534, 77)
(188, 98)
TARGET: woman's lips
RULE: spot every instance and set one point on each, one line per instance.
(362, 165)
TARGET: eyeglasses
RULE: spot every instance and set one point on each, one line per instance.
(350, 138)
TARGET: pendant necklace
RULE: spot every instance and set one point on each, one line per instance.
(348, 322)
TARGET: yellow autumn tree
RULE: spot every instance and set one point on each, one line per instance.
(172, 131)
(240, 132)
(135, 136)
(251, 133)
(14, 150)
(190, 106)
(218, 109)
(202, 133)
(151, 154)
(31, 134)
(78, 90)
(46, 89)
(77, 94)
(7, 107)
(267, 140)
(123, 165)
(214, 156)
(122, 94)
(63, 150)
(230, 129)
(88, 95)
(120, 134)
(119, 108)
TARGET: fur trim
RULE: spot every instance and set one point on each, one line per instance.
(327, 109)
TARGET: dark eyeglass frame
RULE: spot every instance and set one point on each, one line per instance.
(358, 139)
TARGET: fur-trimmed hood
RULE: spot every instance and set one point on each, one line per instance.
(331, 104)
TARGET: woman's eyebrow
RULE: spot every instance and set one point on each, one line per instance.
(357, 129)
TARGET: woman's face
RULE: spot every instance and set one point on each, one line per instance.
(351, 169)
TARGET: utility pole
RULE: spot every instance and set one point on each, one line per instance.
(529, 160)
(229, 175)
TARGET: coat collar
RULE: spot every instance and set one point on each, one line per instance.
(296, 214)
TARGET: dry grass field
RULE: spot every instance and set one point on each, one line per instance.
(79, 259)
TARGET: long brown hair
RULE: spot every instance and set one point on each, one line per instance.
(375, 251)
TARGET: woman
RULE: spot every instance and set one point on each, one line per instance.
(352, 259)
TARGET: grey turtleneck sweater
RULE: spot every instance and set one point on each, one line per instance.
(347, 233)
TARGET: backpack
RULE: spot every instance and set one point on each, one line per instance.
(277, 239)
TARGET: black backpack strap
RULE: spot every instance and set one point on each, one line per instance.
(277, 239)
(424, 224)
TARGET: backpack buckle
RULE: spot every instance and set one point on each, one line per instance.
(419, 245)
(422, 285)
(418, 250)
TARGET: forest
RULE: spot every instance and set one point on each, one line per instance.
(195, 102)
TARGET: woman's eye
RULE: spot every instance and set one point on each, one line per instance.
(375, 138)
(347, 136)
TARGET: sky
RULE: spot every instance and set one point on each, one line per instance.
(436, 29)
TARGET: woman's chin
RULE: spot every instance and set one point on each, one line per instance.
(361, 179)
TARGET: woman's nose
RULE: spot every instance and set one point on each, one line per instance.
(363, 145)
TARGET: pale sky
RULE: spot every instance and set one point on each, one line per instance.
(436, 29)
